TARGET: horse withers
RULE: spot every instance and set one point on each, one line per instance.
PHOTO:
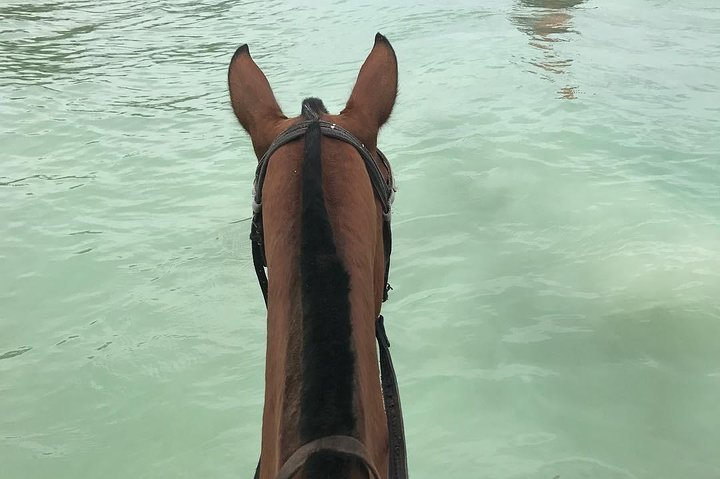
(321, 227)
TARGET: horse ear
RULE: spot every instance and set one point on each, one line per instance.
(376, 87)
(252, 100)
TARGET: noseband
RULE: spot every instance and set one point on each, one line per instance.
(385, 190)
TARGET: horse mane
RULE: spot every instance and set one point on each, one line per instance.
(328, 361)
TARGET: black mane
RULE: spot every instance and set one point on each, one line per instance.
(328, 361)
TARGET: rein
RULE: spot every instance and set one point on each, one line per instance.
(385, 191)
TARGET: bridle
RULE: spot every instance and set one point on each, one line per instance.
(385, 191)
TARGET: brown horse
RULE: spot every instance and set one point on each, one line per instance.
(323, 233)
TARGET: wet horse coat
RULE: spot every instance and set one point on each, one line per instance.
(323, 235)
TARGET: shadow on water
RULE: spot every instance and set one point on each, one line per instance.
(547, 22)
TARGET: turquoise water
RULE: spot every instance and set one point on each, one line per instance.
(557, 233)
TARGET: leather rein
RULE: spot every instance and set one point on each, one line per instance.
(385, 190)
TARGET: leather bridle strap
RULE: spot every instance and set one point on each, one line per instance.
(342, 445)
(383, 188)
(397, 465)
(258, 254)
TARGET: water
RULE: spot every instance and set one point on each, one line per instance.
(557, 233)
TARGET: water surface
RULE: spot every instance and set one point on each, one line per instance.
(557, 233)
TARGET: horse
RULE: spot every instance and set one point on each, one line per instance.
(321, 245)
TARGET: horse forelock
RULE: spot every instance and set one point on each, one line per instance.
(313, 108)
